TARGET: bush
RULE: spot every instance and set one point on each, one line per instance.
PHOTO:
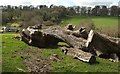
(15, 24)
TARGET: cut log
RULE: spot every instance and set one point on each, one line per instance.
(70, 39)
(103, 43)
(79, 54)
(51, 36)
(39, 39)
(70, 27)
(78, 40)
(81, 33)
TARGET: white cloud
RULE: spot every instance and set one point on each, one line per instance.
(7, 2)
(114, 3)
(59, 2)
(95, 2)
(55, 2)
(15, 2)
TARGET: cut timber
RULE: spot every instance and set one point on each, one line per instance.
(81, 33)
(71, 40)
(105, 44)
(50, 36)
(79, 54)
(80, 40)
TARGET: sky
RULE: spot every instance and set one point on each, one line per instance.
(66, 3)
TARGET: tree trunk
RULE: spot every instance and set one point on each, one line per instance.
(51, 36)
(105, 44)
(76, 39)
(79, 54)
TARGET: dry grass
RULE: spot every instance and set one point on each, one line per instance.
(105, 25)
(110, 31)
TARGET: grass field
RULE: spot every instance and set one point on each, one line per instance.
(68, 64)
(9, 47)
(98, 21)
(11, 59)
(106, 25)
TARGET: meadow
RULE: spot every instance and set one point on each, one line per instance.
(11, 49)
(99, 21)
(107, 25)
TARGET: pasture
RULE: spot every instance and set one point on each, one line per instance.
(97, 20)
(107, 25)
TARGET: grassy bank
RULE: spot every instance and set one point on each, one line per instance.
(12, 58)
(68, 64)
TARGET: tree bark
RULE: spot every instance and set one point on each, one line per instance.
(75, 39)
(105, 44)
(51, 36)
(79, 54)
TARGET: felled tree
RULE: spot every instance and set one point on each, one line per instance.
(88, 42)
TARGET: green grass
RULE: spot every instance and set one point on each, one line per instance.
(105, 21)
(66, 63)
(97, 20)
(74, 20)
(9, 47)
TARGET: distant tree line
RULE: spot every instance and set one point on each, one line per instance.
(31, 15)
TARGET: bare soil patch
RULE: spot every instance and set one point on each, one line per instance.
(33, 61)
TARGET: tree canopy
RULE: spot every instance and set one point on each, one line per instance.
(31, 15)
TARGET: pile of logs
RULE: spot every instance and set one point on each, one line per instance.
(83, 45)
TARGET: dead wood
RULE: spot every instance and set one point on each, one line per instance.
(79, 54)
(80, 40)
(104, 44)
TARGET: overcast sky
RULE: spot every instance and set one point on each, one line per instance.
(59, 2)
